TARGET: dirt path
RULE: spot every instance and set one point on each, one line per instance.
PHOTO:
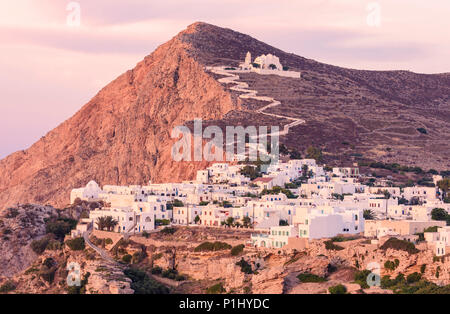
(104, 255)
(242, 87)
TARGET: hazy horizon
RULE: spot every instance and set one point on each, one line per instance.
(50, 69)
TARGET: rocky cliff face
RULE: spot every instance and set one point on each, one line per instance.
(122, 136)
(19, 226)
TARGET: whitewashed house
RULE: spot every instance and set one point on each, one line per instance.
(277, 237)
(90, 192)
(186, 215)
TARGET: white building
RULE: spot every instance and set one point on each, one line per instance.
(276, 238)
(129, 221)
(440, 240)
(186, 215)
(89, 193)
(327, 222)
(423, 194)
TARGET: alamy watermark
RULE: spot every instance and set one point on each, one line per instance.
(374, 16)
(241, 143)
(74, 276)
(74, 16)
(374, 278)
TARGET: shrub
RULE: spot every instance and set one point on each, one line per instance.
(127, 258)
(141, 283)
(414, 277)
(401, 245)
(177, 203)
(145, 234)
(60, 227)
(390, 265)
(308, 277)
(329, 245)
(108, 241)
(12, 213)
(342, 239)
(76, 244)
(162, 222)
(170, 273)
(440, 214)
(422, 130)
(238, 249)
(338, 289)
(156, 270)
(47, 273)
(423, 268)
(246, 268)
(7, 287)
(39, 246)
(138, 257)
(54, 245)
(49, 262)
(216, 289)
(212, 246)
(360, 278)
(431, 229)
(168, 230)
(180, 278)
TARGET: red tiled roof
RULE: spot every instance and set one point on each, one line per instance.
(265, 180)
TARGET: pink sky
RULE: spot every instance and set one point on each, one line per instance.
(48, 69)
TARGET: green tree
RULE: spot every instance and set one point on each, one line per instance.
(101, 223)
(314, 153)
(414, 277)
(229, 222)
(368, 214)
(305, 170)
(177, 203)
(76, 244)
(110, 223)
(338, 289)
(440, 214)
(197, 219)
(246, 221)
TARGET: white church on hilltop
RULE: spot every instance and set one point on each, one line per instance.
(267, 64)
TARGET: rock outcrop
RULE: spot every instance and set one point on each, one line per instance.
(19, 226)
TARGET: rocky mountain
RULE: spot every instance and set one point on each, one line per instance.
(122, 136)
(19, 226)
